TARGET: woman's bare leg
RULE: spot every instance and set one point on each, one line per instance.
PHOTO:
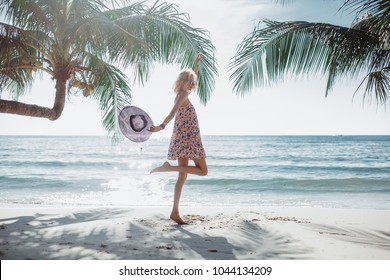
(182, 162)
(200, 168)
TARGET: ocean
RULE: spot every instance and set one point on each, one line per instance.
(301, 171)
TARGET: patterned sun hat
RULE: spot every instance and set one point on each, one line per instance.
(134, 123)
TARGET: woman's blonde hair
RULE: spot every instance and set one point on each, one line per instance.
(182, 79)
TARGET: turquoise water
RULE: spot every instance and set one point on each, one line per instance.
(315, 171)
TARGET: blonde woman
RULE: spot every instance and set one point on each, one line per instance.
(186, 143)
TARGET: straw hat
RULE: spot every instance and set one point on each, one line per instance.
(134, 123)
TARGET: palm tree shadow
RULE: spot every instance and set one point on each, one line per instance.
(378, 239)
(271, 244)
(208, 247)
(24, 236)
(250, 241)
(85, 235)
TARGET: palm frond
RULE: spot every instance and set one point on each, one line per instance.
(169, 38)
(16, 80)
(373, 7)
(269, 54)
(379, 83)
(98, 25)
(33, 15)
(374, 21)
(112, 93)
(15, 65)
(281, 49)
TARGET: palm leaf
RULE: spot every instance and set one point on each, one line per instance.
(373, 7)
(32, 15)
(170, 39)
(15, 71)
(379, 83)
(112, 92)
(97, 31)
(281, 49)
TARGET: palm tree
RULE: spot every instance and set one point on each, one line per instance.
(83, 45)
(281, 49)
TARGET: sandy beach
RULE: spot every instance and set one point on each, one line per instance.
(267, 233)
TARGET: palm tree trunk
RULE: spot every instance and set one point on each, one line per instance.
(19, 108)
(59, 102)
(23, 109)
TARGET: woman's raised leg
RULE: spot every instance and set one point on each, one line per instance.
(199, 169)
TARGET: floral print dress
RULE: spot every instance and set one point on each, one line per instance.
(186, 141)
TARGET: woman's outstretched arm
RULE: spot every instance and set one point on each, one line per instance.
(183, 97)
(198, 58)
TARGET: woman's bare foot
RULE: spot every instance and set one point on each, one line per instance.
(177, 219)
(162, 168)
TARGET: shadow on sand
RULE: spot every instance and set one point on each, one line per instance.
(115, 234)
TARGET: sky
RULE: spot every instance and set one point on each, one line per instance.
(294, 107)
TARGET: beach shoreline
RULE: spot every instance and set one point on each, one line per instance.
(213, 233)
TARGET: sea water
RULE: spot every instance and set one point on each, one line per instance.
(304, 171)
